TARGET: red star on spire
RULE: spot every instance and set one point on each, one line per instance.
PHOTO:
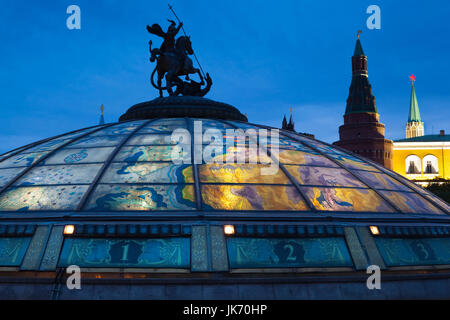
(412, 78)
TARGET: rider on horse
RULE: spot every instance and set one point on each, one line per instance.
(172, 59)
(169, 37)
(168, 44)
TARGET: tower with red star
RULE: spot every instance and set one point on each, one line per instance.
(414, 126)
(362, 132)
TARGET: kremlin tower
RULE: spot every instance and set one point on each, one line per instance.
(362, 133)
(288, 126)
(414, 126)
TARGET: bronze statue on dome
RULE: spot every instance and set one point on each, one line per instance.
(173, 61)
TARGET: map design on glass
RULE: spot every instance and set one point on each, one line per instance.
(351, 162)
(252, 197)
(23, 159)
(381, 181)
(151, 153)
(346, 199)
(6, 175)
(141, 172)
(240, 173)
(142, 198)
(76, 157)
(411, 202)
(42, 198)
(60, 174)
(324, 176)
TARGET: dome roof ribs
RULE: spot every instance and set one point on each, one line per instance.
(393, 175)
(107, 163)
(285, 171)
(33, 144)
(49, 154)
(306, 191)
(346, 169)
(198, 194)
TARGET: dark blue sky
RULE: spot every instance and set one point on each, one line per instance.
(264, 57)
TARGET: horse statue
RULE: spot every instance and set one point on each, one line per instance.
(172, 64)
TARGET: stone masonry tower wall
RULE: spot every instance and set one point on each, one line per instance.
(362, 133)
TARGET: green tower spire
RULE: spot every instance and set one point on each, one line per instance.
(414, 114)
(414, 126)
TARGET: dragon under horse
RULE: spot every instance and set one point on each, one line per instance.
(172, 62)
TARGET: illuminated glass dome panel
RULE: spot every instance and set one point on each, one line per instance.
(128, 166)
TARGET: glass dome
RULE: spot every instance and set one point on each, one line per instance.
(127, 166)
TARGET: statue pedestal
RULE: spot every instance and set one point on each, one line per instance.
(183, 106)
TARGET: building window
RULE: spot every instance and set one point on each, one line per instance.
(430, 164)
(413, 164)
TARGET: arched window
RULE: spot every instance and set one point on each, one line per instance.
(430, 164)
(412, 164)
